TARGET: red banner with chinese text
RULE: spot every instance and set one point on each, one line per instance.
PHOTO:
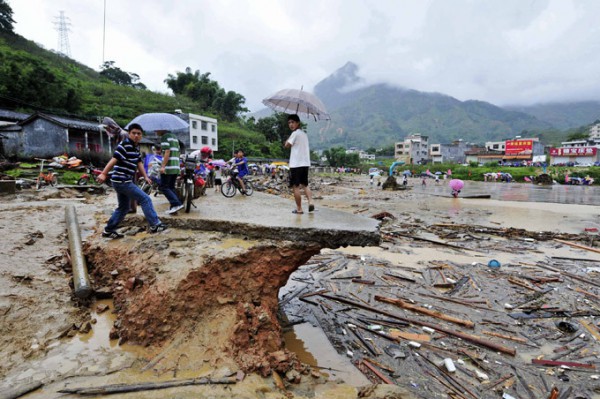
(518, 147)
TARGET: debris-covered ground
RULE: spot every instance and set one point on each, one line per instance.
(423, 302)
(451, 308)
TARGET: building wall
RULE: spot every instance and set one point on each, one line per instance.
(13, 143)
(203, 132)
(44, 139)
(595, 132)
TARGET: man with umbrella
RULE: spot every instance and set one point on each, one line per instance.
(299, 163)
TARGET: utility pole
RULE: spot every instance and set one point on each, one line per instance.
(104, 32)
(63, 24)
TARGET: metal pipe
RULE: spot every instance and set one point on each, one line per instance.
(81, 279)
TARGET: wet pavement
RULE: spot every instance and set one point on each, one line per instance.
(270, 217)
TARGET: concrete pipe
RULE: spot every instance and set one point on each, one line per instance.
(81, 279)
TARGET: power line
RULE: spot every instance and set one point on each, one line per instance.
(63, 24)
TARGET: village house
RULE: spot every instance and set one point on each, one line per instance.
(43, 136)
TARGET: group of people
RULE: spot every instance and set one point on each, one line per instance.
(127, 161)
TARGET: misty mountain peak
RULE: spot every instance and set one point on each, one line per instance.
(341, 80)
(331, 90)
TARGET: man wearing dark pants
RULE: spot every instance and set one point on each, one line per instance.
(299, 163)
(170, 169)
(126, 160)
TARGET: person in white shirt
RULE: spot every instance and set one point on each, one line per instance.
(299, 163)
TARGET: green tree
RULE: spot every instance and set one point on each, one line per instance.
(29, 82)
(386, 151)
(6, 20)
(207, 93)
(274, 127)
(229, 105)
(120, 77)
(337, 157)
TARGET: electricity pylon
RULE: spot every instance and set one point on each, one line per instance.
(63, 24)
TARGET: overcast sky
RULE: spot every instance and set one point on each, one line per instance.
(501, 51)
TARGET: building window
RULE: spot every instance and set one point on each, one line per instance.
(194, 125)
(204, 139)
(213, 128)
(203, 125)
(195, 139)
(214, 142)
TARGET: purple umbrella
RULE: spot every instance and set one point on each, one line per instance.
(456, 185)
(219, 162)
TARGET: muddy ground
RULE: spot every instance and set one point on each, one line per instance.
(164, 332)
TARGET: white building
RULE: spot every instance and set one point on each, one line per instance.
(203, 132)
(595, 132)
(495, 146)
(365, 155)
(414, 149)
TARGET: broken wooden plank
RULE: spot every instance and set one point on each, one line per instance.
(378, 373)
(146, 386)
(410, 336)
(504, 336)
(467, 337)
(425, 311)
(434, 242)
(558, 363)
(579, 246)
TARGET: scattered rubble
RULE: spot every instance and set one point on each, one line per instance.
(463, 330)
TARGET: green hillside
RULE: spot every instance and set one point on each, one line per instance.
(35, 79)
(563, 115)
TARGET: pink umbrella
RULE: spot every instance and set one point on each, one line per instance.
(456, 185)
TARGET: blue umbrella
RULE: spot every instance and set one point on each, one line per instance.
(159, 121)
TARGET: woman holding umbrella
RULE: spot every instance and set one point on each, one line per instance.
(456, 185)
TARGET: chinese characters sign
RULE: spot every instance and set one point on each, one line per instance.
(573, 151)
(518, 147)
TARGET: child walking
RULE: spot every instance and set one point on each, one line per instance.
(218, 178)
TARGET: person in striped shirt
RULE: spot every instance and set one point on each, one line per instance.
(126, 161)
(170, 169)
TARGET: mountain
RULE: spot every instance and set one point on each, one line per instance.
(563, 115)
(379, 115)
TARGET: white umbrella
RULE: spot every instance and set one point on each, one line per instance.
(293, 101)
(159, 121)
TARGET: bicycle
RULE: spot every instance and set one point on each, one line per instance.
(45, 178)
(232, 185)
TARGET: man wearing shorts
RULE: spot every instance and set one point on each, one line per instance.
(299, 163)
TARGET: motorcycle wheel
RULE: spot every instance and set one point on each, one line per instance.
(189, 194)
(83, 181)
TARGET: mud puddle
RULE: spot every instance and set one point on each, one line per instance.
(313, 348)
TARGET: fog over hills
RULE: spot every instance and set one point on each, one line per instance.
(380, 114)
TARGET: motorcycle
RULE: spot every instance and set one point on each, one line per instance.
(90, 175)
(187, 182)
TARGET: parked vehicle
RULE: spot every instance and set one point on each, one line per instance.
(186, 182)
(48, 178)
(90, 175)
